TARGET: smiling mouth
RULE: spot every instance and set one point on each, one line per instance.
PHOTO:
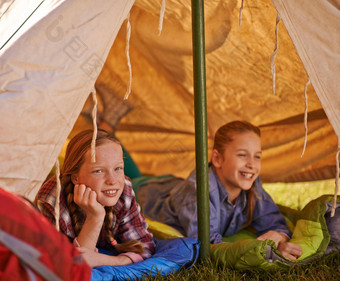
(111, 192)
(247, 175)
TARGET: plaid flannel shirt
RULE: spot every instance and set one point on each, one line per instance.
(128, 222)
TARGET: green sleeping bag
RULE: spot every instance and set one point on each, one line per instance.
(313, 229)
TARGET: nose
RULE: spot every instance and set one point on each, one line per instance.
(110, 178)
(250, 162)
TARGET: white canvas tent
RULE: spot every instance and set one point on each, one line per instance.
(50, 65)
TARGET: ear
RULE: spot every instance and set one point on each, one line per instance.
(74, 179)
(216, 158)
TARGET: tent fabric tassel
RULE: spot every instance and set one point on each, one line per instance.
(305, 118)
(94, 118)
(336, 180)
(241, 10)
(57, 196)
(272, 58)
(161, 17)
(127, 52)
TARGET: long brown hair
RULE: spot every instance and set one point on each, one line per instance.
(225, 135)
(74, 159)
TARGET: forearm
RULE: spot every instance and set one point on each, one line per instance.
(113, 260)
(275, 236)
(86, 199)
(95, 259)
(283, 237)
(89, 233)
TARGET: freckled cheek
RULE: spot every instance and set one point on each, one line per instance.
(121, 180)
(122, 183)
(88, 181)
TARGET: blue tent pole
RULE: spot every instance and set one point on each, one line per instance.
(201, 136)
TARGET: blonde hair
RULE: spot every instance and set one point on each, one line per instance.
(225, 135)
(74, 159)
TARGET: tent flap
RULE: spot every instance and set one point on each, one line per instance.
(50, 65)
(46, 73)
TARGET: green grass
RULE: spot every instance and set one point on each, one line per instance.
(325, 268)
(293, 195)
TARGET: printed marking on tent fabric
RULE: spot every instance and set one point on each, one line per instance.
(75, 49)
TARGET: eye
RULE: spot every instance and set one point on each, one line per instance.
(241, 155)
(258, 156)
(98, 171)
(119, 168)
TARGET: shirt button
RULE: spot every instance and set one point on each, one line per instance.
(233, 222)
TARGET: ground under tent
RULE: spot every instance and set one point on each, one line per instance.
(50, 63)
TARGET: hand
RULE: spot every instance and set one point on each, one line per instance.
(287, 249)
(95, 259)
(86, 199)
(275, 236)
(290, 250)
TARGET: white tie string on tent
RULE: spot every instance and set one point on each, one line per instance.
(336, 180)
(57, 196)
(128, 35)
(272, 65)
(93, 159)
(161, 17)
(272, 58)
(305, 118)
(94, 111)
(272, 62)
(94, 118)
(127, 50)
(94, 96)
(240, 17)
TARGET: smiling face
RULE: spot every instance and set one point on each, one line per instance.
(240, 164)
(106, 175)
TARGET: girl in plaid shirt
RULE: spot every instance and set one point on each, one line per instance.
(98, 207)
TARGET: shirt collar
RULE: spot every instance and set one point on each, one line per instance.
(240, 200)
(221, 190)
